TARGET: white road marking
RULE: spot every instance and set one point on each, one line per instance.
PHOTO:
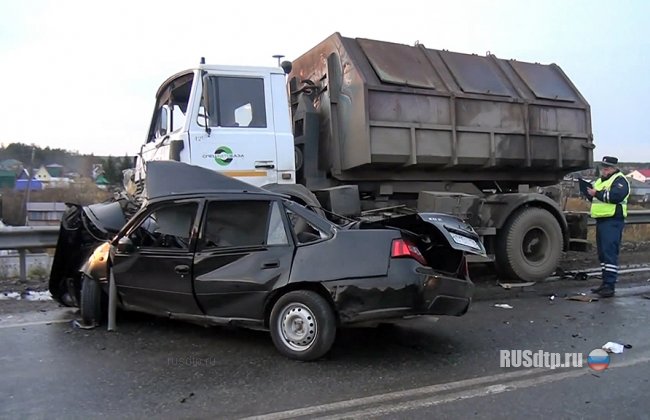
(28, 324)
(478, 387)
(26, 319)
(381, 398)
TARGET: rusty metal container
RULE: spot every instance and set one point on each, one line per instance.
(392, 112)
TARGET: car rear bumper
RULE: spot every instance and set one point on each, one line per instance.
(444, 295)
(409, 289)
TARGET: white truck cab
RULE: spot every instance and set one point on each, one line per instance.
(244, 131)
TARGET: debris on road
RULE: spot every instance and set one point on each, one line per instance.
(82, 326)
(581, 276)
(503, 306)
(184, 399)
(611, 347)
(551, 298)
(572, 275)
(511, 285)
(582, 298)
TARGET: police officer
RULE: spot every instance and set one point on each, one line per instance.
(609, 207)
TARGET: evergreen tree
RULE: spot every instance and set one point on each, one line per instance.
(125, 163)
(111, 171)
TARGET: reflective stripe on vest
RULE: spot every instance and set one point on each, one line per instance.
(602, 209)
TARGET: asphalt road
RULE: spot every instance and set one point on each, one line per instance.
(422, 368)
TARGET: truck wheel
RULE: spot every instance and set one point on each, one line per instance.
(91, 302)
(302, 325)
(529, 246)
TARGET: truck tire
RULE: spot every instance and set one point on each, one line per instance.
(529, 246)
(302, 325)
(92, 302)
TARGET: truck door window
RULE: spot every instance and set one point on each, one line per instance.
(162, 123)
(178, 117)
(240, 102)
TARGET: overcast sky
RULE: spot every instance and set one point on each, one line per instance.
(82, 75)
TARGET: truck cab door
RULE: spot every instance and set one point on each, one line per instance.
(234, 128)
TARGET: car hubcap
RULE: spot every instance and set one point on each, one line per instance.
(298, 326)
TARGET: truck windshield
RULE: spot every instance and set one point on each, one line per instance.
(171, 107)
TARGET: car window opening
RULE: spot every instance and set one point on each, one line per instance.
(236, 224)
(166, 227)
(305, 231)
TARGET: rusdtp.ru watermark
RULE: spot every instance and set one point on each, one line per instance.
(539, 359)
(192, 361)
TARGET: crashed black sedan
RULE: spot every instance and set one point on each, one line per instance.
(218, 251)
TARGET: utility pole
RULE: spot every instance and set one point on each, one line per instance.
(29, 185)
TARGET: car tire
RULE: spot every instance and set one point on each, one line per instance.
(302, 325)
(92, 300)
(529, 246)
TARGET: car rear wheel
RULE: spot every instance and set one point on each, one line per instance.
(91, 302)
(303, 326)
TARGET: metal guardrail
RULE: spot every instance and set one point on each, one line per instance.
(25, 237)
(634, 217)
(22, 238)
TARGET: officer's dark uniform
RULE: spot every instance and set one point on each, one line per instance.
(609, 208)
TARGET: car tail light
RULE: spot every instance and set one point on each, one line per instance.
(403, 248)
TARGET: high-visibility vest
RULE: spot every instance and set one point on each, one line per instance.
(603, 209)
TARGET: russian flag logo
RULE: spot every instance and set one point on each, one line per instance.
(598, 360)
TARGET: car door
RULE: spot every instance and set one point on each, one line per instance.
(155, 275)
(244, 250)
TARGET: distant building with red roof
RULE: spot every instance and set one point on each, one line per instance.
(641, 175)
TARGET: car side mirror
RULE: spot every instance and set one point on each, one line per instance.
(125, 245)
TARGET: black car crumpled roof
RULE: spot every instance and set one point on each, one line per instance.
(166, 178)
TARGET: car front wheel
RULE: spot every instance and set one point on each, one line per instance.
(92, 302)
(303, 326)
